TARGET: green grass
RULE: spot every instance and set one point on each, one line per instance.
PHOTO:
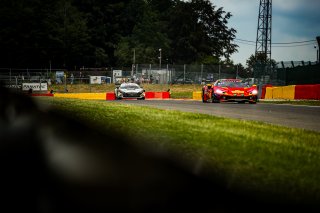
(294, 102)
(258, 158)
(184, 95)
(177, 90)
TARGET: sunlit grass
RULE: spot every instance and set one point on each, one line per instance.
(260, 158)
(294, 102)
(177, 90)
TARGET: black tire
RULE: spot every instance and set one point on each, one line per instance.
(203, 101)
(214, 100)
(117, 98)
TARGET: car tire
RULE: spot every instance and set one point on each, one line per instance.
(214, 100)
(203, 101)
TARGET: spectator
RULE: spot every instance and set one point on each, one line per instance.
(71, 78)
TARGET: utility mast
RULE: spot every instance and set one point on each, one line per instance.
(262, 68)
(263, 43)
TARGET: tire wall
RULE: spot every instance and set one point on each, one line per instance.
(294, 92)
(89, 96)
(197, 95)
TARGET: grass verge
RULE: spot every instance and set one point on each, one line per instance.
(177, 90)
(293, 102)
(258, 158)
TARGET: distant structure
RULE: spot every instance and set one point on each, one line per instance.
(318, 56)
(263, 42)
(262, 70)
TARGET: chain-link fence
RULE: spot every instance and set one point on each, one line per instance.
(281, 73)
(142, 73)
(287, 73)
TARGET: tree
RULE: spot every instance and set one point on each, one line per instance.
(36, 32)
(71, 33)
(198, 30)
(259, 58)
(243, 72)
(258, 62)
(146, 39)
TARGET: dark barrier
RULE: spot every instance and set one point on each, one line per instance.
(263, 92)
(42, 94)
(110, 96)
(303, 75)
(149, 95)
(165, 95)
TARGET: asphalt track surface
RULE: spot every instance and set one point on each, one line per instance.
(296, 116)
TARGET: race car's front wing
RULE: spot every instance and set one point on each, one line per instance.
(140, 95)
(237, 98)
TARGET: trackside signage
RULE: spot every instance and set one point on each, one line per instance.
(35, 86)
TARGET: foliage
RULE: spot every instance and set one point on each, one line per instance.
(99, 33)
(259, 58)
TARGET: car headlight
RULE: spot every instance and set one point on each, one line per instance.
(254, 92)
(219, 91)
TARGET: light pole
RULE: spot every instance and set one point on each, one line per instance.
(237, 72)
(134, 62)
(160, 60)
(317, 61)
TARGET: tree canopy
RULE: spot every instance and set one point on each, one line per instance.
(100, 33)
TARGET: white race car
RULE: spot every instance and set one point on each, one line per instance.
(129, 90)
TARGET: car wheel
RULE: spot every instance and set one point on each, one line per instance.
(203, 97)
(214, 100)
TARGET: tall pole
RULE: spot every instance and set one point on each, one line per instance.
(167, 73)
(237, 72)
(184, 74)
(263, 42)
(133, 61)
(201, 73)
(160, 60)
(318, 41)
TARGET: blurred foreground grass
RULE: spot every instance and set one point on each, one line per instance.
(264, 160)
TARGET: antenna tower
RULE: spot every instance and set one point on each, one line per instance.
(263, 43)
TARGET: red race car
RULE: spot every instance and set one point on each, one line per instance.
(235, 90)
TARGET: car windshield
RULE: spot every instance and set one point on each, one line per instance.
(129, 87)
(231, 84)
